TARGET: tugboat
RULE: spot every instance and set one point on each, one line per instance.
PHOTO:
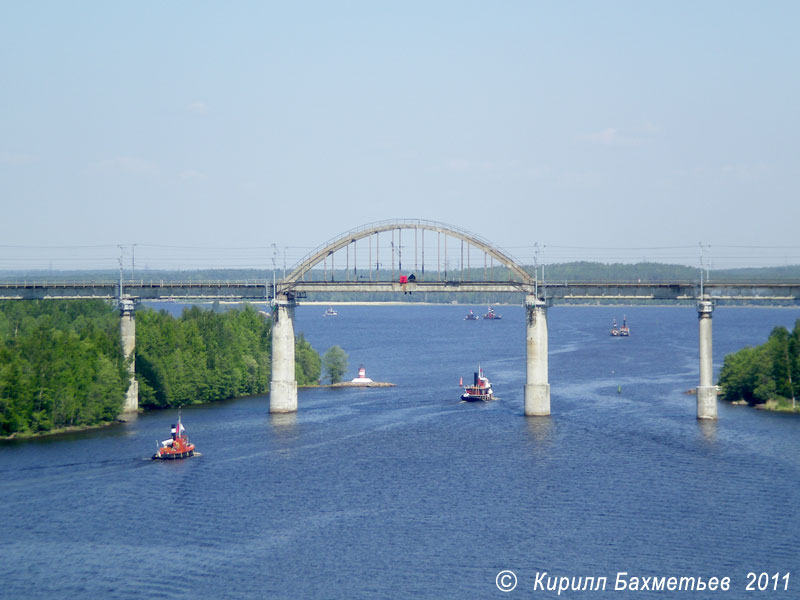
(492, 315)
(624, 331)
(471, 316)
(178, 446)
(480, 390)
(614, 329)
(330, 312)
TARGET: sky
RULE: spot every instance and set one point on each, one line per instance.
(583, 127)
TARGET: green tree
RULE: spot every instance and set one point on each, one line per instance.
(770, 372)
(205, 355)
(778, 350)
(308, 365)
(335, 362)
(61, 364)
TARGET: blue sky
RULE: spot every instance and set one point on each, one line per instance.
(571, 124)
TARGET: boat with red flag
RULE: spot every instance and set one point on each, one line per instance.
(624, 331)
(480, 390)
(177, 446)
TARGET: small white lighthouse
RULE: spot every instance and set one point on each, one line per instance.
(362, 376)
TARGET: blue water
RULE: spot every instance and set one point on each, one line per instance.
(406, 493)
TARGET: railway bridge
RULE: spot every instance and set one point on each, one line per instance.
(451, 259)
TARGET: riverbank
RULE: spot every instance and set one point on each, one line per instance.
(356, 384)
(28, 435)
(784, 406)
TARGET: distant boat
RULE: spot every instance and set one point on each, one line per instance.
(624, 330)
(614, 329)
(480, 390)
(492, 315)
(471, 316)
(330, 312)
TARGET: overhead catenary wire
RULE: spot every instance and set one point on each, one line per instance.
(140, 257)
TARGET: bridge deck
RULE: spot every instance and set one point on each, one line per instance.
(261, 291)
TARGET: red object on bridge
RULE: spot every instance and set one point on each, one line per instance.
(403, 279)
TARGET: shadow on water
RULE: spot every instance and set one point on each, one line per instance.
(540, 429)
(283, 423)
(708, 429)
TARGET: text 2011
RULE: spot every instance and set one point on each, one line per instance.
(762, 582)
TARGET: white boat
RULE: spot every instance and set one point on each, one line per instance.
(614, 329)
(330, 312)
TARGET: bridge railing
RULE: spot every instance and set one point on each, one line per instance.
(131, 283)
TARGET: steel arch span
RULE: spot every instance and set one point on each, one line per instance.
(319, 254)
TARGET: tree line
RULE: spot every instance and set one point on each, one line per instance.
(768, 374)
(62, 364)
(205, 355)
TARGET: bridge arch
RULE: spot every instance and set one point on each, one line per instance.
(319, 254)
(283, 387)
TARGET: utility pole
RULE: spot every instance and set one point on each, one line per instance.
(120, 271)
(700, 244)
(274, 268)
(544, 285)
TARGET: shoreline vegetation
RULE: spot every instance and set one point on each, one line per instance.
(62, 367)
(766, 377)
(781, 405)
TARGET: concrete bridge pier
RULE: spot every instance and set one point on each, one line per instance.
(537, 389)
(283, 385)
(127, 327)
(706, 391)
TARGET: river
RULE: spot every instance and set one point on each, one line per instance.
(405, 492)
